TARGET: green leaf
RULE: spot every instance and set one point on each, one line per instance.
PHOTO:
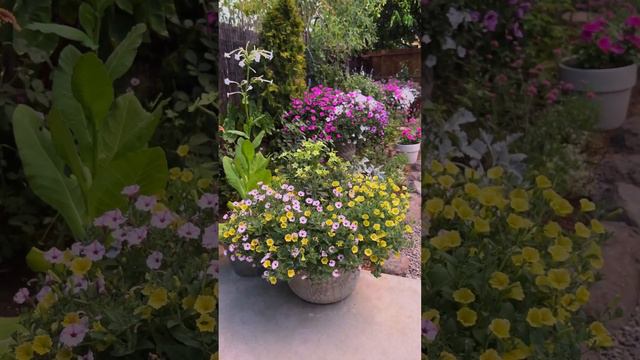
(92, 87)
(35, 260)
(248, 151)
(89, 20)
(36, 44)
(45, 171)
(125, 5)
(64, 31)
(232, 176)
(147, 168)
(65, 147)
(129, 127)
(123, 55)
(70, 108)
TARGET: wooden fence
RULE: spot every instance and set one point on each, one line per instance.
(384, 64)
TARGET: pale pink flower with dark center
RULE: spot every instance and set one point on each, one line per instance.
(335, 273)
(154, 261)
(131, 190)
(136, 235)
(189, 231)
(21, 296)
(162, 219)
(213, 269)
(110, 219)
(54, 256)
(208, 201)
(73, 334)
(210, 237)
(146, 203)
(94, 251)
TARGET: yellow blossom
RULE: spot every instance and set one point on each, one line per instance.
(206, 323)
(434, 206)
(582, 230)
(158, 298)
(543, 182)
(538, 317)
(597, 227)
(490, 354)
(471, 189)
(205, 304)
(561, 207)
(481, 225)
(586, 205)
(291, 273)
(80, 266)
(183, 150)
(530, 254)
(559, 253)
(42, 344)
(24, 351)
(499, 280)
(559, 279)
(582, 295)
(552, 229)
(446, 181)
(436, 166)
(500, 328)
(444, 355)
(186, 176)
(516, 292)
(520, 205)
(495, 172)
(467, 317)
(518, 222)
(464, 296)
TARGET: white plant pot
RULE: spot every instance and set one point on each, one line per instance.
(612, 89)
(410, 151)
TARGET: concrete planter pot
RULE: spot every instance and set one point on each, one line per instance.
(326, 291)
(612, 89)
(346, 151)
(410, 151)
(245, 269)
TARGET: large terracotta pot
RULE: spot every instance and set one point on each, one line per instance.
(612, 89)
(325, 291)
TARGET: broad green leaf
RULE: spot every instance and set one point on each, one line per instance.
(258, 140)
(89, 20)
(155, 15)
(45, 170)
(67, 104)
(238, 133)
(125, 5)
(248, 151)
(127, 128)
(66, 148)
(92, 87)
(36, 44)
(123, 55)
(147, 168)
(64, 31)
(35, 260)
(232, 176)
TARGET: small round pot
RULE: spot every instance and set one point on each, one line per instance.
(346, 151)
(612, 89)
(325, 291)
(410, 151)
(245, 269)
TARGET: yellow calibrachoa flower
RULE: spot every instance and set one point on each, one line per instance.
(530, 254)
(367, 252)
(500, 328)
(464, 296)
(597, 227)
(80, 266)
(204, 183)
(204, 304)
(499, 280)
(601, 335)
(291, 273)
(559, 253)
(447, 356)
(552, 229)
(586, 205)
(520, 205)
(174, 173)
(186, 176)
(446, 240)
(436, 166)
(481, 225)
(64, 354)
(446, 181)
(183, 150)
(451, 168)
(518, 222)
(490, 354)
(516, 292)
(273, 280)
(472, 189)
(582, 230)
(206, 323)
(543, 182)
(467, 317)
(561, 206)
(495, 172)
(434, 206)
(559, 279)
(582, 295)
(24, 351)
(42, 344)
(71, 318)
(538, 317)
(158, 298)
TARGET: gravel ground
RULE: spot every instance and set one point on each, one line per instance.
(413, 253)
(627, 341)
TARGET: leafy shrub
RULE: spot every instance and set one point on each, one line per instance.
(362, 82)
(361, 222)
(125, 291)
(506, 269)
(281, 33)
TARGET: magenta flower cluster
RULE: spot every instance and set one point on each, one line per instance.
(608, 43)
(332, 115)
(399, 96)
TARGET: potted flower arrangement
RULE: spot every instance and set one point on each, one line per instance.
(400, 100)
(319, 244)
(409, 144)
(605, 64)
(127, 291)
(343, 119)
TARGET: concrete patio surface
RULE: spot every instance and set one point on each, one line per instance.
(379, 321)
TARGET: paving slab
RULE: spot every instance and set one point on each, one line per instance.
(379, 321)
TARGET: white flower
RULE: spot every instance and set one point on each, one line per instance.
(227, 55)
(241, 63)
(462, 52)
(455, 17)
(237, 57)
(227, 81)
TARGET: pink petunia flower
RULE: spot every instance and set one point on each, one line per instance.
(131, 190)
(146, 203)
(54, 256)
(94, 251)
(73, 334)
(21, 296)
(189, 231)
(208, 201)
(154, 261)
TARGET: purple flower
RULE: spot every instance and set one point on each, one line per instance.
(633, 21)
(146, 203)
(208, 201)
(210, 237)
(162, 219)
(429, 330)
(212, 17)
(332, 263)
(335, 273)
(340, 257)
(79, 284)
(274, 264)
(517, 31)
(189, 231)
(42, 293)
(110, 219)
(77, 248)
(213, 269)
(154, 261)
(490, 20)
(73, 334)
(605, 44)
(136, 235)
(131, 190)
(94, 251)
(54, 256)
(21, 296)
(87, 356)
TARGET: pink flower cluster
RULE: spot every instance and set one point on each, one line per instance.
(329, 114)
(399, 96)
(411, 136)
(611, 38)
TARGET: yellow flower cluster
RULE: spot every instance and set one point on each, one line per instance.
(503, 247)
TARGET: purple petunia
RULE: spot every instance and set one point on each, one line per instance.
(189, 231)
(21, 296)
(94, 251)
(154, 261)
(490, 20)
(136, 235)
(110, 219)
(131, 190)
(73, 334)
(162, 219)
(146, 203)
(429, 330)
(54, 256)
(210, 237)
(208, 201)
